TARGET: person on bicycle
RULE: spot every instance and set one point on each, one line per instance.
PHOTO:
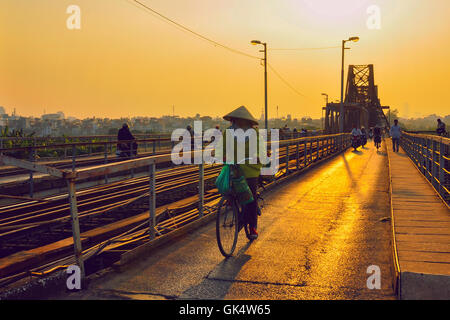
(241, 118)
(363, 136)
(377, 135)
(356, 132)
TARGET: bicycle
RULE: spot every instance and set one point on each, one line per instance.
(377, 142)
(230, 220)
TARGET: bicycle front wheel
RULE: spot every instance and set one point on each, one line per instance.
(227, 227)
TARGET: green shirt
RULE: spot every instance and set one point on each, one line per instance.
(249, 170)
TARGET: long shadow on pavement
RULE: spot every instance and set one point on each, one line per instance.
(218, 282)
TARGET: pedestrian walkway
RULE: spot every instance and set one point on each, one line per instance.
(421, 230)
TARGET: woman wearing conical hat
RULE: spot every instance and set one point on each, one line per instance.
(241, 118)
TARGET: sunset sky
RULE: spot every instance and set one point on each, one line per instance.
(127, 62)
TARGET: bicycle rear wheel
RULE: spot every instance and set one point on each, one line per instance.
(227, 227)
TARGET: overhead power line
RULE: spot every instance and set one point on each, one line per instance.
(213, 42)
(179, 25)
(285, 81)
(303, 49)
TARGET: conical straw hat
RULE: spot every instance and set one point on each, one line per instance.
(241, 113)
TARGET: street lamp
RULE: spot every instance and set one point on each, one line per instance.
(341, 113)
(326, 99)
(255, 42)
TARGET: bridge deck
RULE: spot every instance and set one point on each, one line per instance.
(319, 233)
(422, 231)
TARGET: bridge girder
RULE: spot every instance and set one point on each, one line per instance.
(361, 104)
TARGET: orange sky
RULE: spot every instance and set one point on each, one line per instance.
(126, 62)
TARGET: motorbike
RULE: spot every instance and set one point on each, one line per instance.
(355, 142)
(126, 150)
(363, 140)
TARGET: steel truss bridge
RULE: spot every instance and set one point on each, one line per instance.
(362, 105)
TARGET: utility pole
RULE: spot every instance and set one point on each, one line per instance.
(326, 104)
(255, 42)
(265, 84)
(341, 109)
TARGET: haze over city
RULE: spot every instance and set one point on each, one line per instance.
(125, 61)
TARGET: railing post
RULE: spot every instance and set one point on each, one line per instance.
(310, 150)
(297, 155)
(422, 162)
(416, 150)
(152, 200)
(74, 152)
(428, 160)
(305, 157)
(287, 158)
(329, 146)
(441, 169)
(131, 157)
(106, 161)
(332, 145)
(32, 159)
(433, 163)
(318, 148)
(201, 188)
(75, 226)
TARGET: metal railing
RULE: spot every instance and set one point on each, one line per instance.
(80, 149)
(314, 149)
(101, 152)
(428, 132)
(431, 156)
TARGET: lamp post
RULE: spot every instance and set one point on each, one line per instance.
(326, 103)
(255, 42)
(341, 111)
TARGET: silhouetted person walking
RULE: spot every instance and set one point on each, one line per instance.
(395, 133)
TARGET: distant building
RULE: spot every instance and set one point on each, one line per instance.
(2, 110)
(53, 116)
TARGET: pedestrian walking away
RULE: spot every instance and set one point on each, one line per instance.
(395, 134)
